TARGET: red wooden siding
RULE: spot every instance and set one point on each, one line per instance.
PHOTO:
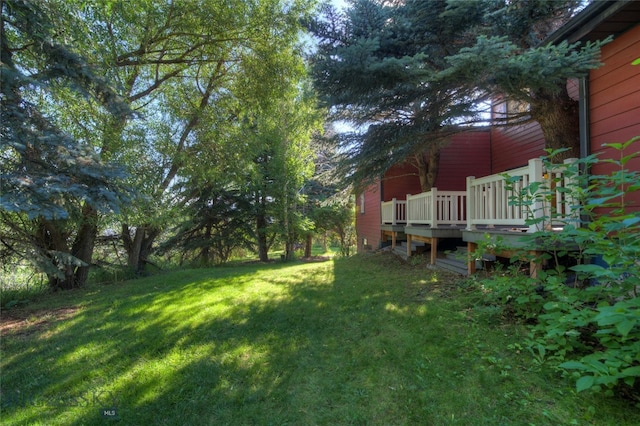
(399, 181)
(615, 101)
(512, 147)
(368, 222)
(468, 154)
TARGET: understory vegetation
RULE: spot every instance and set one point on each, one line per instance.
(583, 309)
(359, 340)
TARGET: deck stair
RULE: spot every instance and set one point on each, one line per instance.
(416, 247)
(456, 261)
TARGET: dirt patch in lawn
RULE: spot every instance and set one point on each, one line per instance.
(23, 322)
(316, 259)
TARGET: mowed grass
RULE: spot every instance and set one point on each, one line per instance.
(364, 340)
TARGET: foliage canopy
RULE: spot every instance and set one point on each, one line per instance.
(410, 74)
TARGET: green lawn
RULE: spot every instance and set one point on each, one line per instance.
(364, 340)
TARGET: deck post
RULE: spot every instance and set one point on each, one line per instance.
(536, 172)
(407, 211)
(470, 204)
(434, 207)
(534, 264)
(393, 211)
(434, 249)
(408, 245)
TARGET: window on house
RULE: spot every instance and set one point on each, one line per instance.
(362, 203)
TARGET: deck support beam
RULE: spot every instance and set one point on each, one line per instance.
(393, 235)
(432, 241)
(535, 265)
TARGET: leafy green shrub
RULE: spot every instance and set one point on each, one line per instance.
(517, 294)
(585, 302)
(618, 358)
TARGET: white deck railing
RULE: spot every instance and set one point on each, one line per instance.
(436, 208)
(490, 199)
(394, 212)
(562, 207)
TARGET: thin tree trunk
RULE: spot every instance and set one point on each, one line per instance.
(307, 246)
(205, 253)
(85, 243)
(134, 249)
(261, 229)
(263, 250)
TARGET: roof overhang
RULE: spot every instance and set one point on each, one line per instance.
(598, 21)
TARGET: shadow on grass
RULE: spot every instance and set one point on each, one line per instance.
(349, 341)
(208, 350)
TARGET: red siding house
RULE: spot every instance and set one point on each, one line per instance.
(469, 198)
(610, 96)
(468, 152)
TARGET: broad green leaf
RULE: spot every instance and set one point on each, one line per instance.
(624, 160)
(624, 327)
(631, 371)
(631, 221)
(573, 365)
(589, 268)
(584, 383)
(614, 145)
(595, 365)
(630, 141)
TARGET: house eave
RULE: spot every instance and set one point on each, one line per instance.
(598, 21)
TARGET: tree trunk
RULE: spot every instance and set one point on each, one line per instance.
(428, 167)
(559, 119)
(205, 252)
(85, 242)
(261, 230)
(289, 250)
(150, 233)
(307, 246)
(140, 247)
(51, 238)
(132, 246)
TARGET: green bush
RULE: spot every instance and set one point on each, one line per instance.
(585, 304)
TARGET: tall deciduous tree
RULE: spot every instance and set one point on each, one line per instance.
(281, 132)
(177, 65)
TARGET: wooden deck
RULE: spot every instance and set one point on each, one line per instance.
(511, 240)
(431, 236)
(486, 208)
